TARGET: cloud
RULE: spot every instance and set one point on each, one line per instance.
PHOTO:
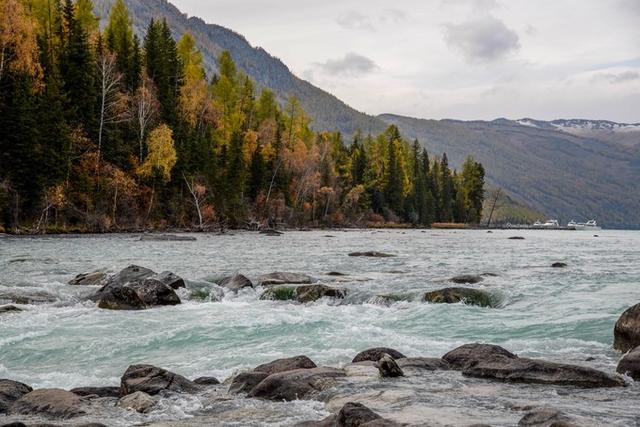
(352, 64)
(482, 40)
(354, 20)
(615, 78)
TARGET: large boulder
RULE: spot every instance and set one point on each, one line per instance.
(97, 278)
(282, 278)
(303, 294)
(630, 364)
(467, 279)
(388, 367)
(52, 403)
(206, 381)
(423, 363)
(244, 382)
(236, 282)
(131, 273)
(286, 364)
(374, 354)
(10, 391)
(153, 380)
(626, 333)
(139, 401)
(464, 295)
(493, 362)
(296, 384)
(170, 279)
(96, 391)
(138, 295)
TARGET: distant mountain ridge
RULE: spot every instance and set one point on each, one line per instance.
(568, 169)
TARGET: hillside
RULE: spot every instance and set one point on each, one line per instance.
(563, 175)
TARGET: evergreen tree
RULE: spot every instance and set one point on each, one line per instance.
(393, 191)
(446, 190)
(121, 41)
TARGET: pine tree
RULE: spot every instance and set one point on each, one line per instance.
(446, 190)
(393, 191)
(120, 39)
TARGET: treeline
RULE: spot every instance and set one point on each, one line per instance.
(101, 131)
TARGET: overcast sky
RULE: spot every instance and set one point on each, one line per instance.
(462, 59)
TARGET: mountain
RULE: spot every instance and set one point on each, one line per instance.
(568, 169)
(562, 174)
(327, 111)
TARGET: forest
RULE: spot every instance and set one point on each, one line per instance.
(101, 131)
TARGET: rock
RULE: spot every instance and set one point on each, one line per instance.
(272, 233)
(26, 297)
(494, 362)
(303, 294)
(630, 364)
(139, 401)
(423, 363)
(97, 278)
(170, 279)
(376, 353)
(287, 364)
(138, 295)
(132, 273)
(166, 238)
(352, 414)
(558, 265)
(371, 254)
(206, 381)
(244, 382)
(464, 295)
(280, 278)
(336, 273)
(296, 384)
(153, 380)
(388, 367)
(626, 333)
(97, 391)
(545, 417)
(10, 309)
(469, 279)
(49, 402)
(516, 238)
(236, 282)
(10, 391)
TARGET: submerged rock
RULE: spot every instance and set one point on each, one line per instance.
(235, 282)
(352, 414)
(546, 417)
(10, 309)
(626, 333)
(516, 238)
(469, 279)
(630, 364)
(10, 391)
(97, 278)
(282, 278)
(96, 391)
(376, 353)
(140, 295)
(49, 402)
(336, 274)
(296, 384)
(371, 254)
(388, 367)
(464, 295)
(286, 364)
(206, 381)
(494, 362)
(139, 401)
(26, 297)
(244, 382)
(303, 294)
(153, 380)
(166, 238)
(558, 265)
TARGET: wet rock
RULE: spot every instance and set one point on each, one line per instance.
(281, 278)
(376, 354)
(630, 364)
(51, 402)
(166, 238)
(296, 384)
(469, 279)
(10, 391)
(558, 265)
(389, 299)
(206, 381)
(96, 391)
(626, 333)
(273, 233)
(170, 279)
(140, 295)
(352, 414)
(97, 278)
(516, 238)
(26, 297)
(139, 401)
(423, 363)
(494, 362)
(10, 309)
(153, 380)
(388, 367)
(371, 254)
(132, 273)
(303, 294)
(244, 382)
(336, 274)
(286, 364)
(236, 282)
(545, 417)
(464, 295)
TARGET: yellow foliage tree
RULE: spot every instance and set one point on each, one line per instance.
(161, 157)
(18, 45)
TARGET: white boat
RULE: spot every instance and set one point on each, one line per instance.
(552, 223)
(589, 225)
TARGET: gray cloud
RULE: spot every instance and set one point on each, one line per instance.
(482, 40)
(354, 20)
(352, 64)
(622, 77)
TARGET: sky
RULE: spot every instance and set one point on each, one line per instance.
(460, 59)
